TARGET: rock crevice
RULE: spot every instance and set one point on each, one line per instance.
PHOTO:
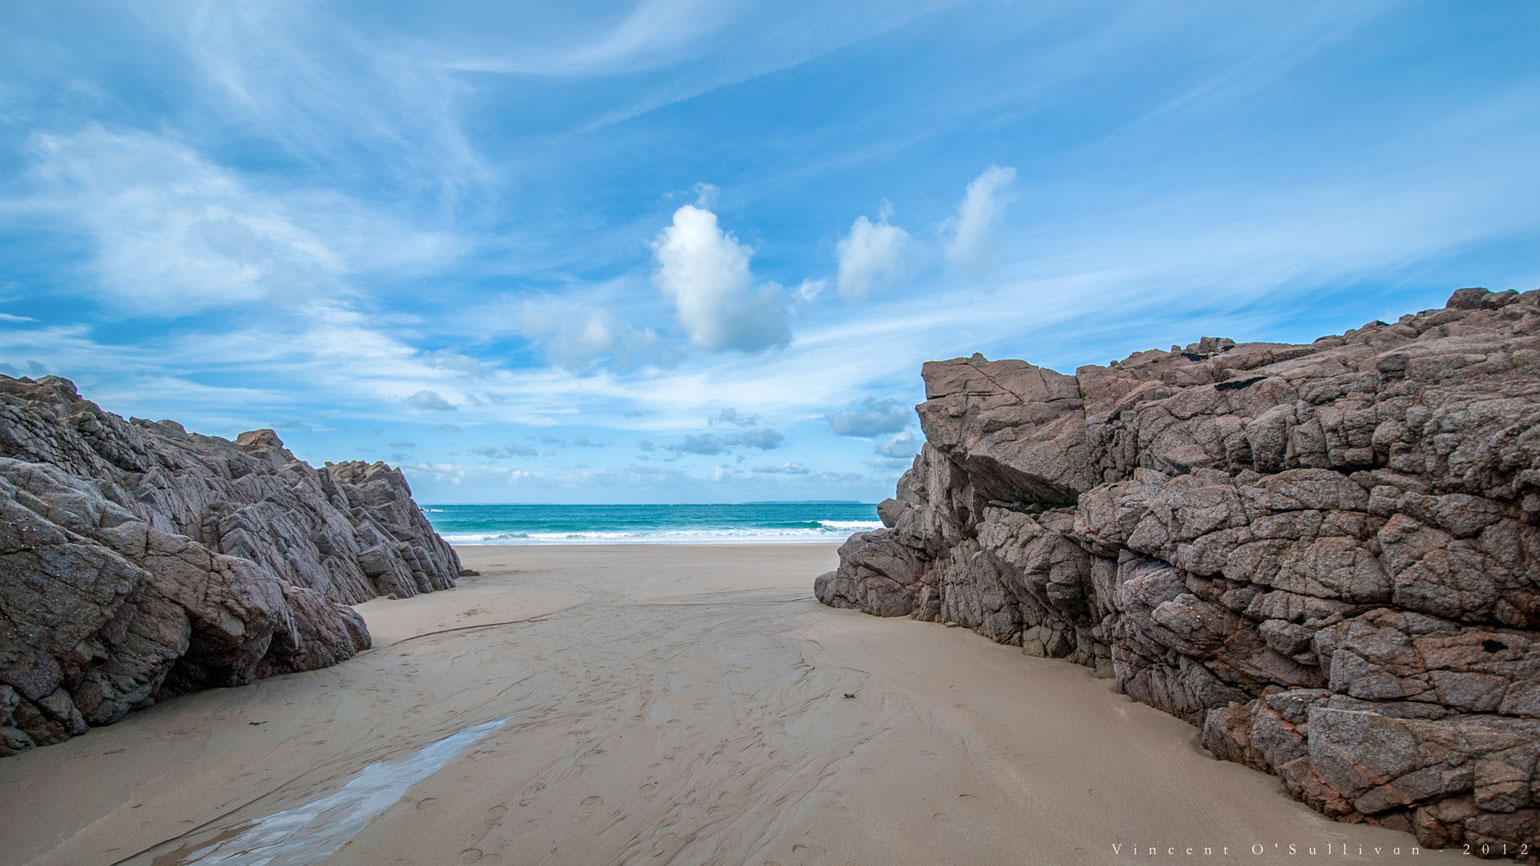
(1326, 557)
(139, 561)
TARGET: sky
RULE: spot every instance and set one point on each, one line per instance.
(689, 251)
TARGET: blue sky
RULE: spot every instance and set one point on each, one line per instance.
(681, 251)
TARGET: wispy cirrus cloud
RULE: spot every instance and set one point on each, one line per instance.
(173, 233)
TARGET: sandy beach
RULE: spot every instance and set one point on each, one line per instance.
(658, 704)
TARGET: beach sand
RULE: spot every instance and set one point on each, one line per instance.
(658, 704)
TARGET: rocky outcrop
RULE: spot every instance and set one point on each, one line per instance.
(1326, 556)
(139, 561)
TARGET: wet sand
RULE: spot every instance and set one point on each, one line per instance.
(658, 705)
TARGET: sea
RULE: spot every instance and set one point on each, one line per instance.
(748, 523)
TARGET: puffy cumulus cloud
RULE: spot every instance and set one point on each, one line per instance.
(734, 417)
(578, 337)
(402, 443)
(974, 244)
(585, 442)
(874, 418)
(429, 401)
(763, 438)
(700, 443)
(873, 256)
(705, 272)
(904, 445)
(783, 469)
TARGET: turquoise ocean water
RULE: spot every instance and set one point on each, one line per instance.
(651, 524)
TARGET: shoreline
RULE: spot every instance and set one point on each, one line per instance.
(682, 702)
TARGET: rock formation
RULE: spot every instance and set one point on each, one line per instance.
(139, 561)
(1325, 556)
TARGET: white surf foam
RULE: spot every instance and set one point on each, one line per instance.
(829, 530)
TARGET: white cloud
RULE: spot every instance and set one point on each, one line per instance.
(873, 256)
(449, 359)
(654, 33)
(705, 271)
(454, 474)
(175, 233)
(903, 445)
(874, 418)
(496, 451)
(763, 438)
(330, 91)
(974, 244)
(731, 416)
(429, 400)
(580, 336)
(783, 469)
(700, 443)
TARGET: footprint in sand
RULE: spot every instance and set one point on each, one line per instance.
(530, 793)
(593, 800)
(424, 803)
(665, 844)
(471, 855)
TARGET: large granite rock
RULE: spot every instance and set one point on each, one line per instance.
(1327, 557)
(139, 561)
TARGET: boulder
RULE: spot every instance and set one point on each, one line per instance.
(1325, 556)
(139, 561)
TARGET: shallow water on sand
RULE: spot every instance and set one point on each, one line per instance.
(313, 831)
